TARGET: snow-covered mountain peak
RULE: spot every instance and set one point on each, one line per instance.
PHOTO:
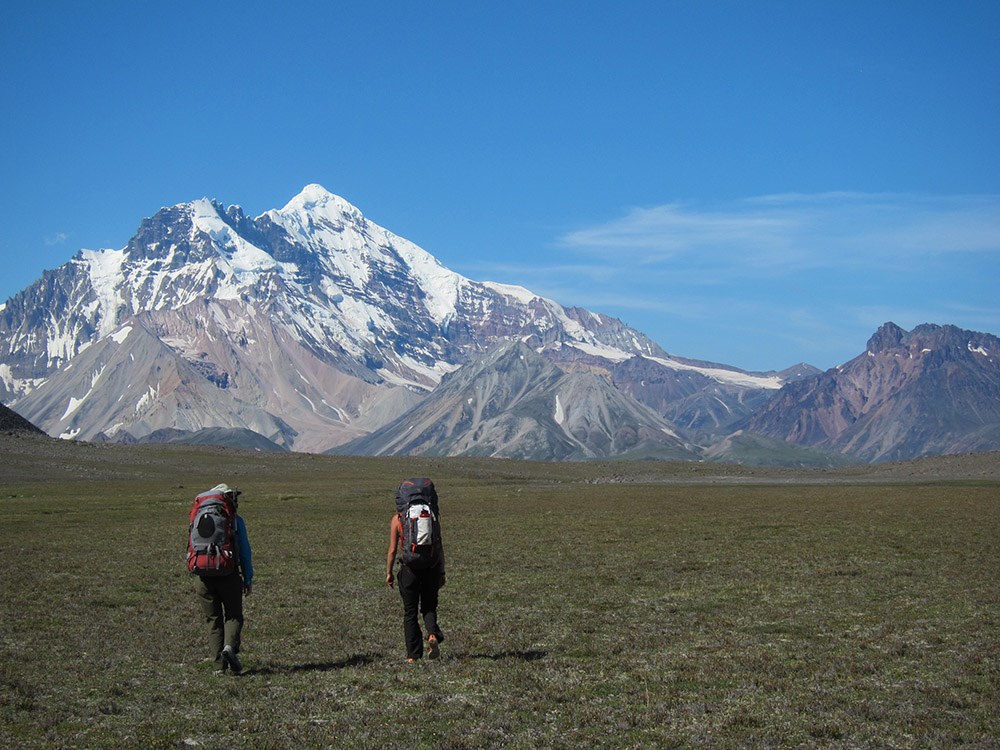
(203, 208)
(355, 248)
(321, 221)
(317, 200)
(236, 253)
(301, 324)
(206, 216)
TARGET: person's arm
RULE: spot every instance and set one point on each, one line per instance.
(441, 558)
(390, 558)
(246, 556)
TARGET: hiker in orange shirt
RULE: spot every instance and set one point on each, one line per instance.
(415, 535)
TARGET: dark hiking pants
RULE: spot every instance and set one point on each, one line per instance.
(221, 602)
(419, 589)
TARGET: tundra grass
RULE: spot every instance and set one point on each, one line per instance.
(577, 613)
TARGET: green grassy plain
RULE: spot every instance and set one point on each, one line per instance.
(588, 605)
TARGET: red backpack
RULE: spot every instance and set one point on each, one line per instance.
(212, 547)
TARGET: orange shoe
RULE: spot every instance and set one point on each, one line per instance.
(433, 650)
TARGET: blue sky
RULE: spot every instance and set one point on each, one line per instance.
(752, 183)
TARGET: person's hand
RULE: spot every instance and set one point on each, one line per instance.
(389, 579)
(248, 589)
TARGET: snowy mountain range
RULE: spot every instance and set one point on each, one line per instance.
(313, 329)
(309, 325)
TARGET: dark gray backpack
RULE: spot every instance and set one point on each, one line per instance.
(417, 506)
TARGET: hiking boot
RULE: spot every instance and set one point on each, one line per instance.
(230, 658)
(433, 651)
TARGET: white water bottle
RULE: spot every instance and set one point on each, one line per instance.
(424, 524)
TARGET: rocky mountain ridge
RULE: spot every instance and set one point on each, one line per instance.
(309, 325)
(930, 391)
(517, 404)
(317, 330)
(13, 423)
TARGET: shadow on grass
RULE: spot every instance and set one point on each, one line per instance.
(505, 655)
(358, 660)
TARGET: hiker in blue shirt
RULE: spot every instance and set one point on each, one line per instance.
(221, 593)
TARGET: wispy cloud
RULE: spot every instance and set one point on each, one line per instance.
(675, 229)
(56, 239)
(818, 272)
(797, 232)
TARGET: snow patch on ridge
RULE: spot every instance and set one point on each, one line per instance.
(433, 373)
(440, 284)
(121, 334)
(76, 403)
(104, 267)
(598, 349)
(72, 406)
(243, 260)
(146, 399)
(522, 295)
(766, 382)
(671, 433)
